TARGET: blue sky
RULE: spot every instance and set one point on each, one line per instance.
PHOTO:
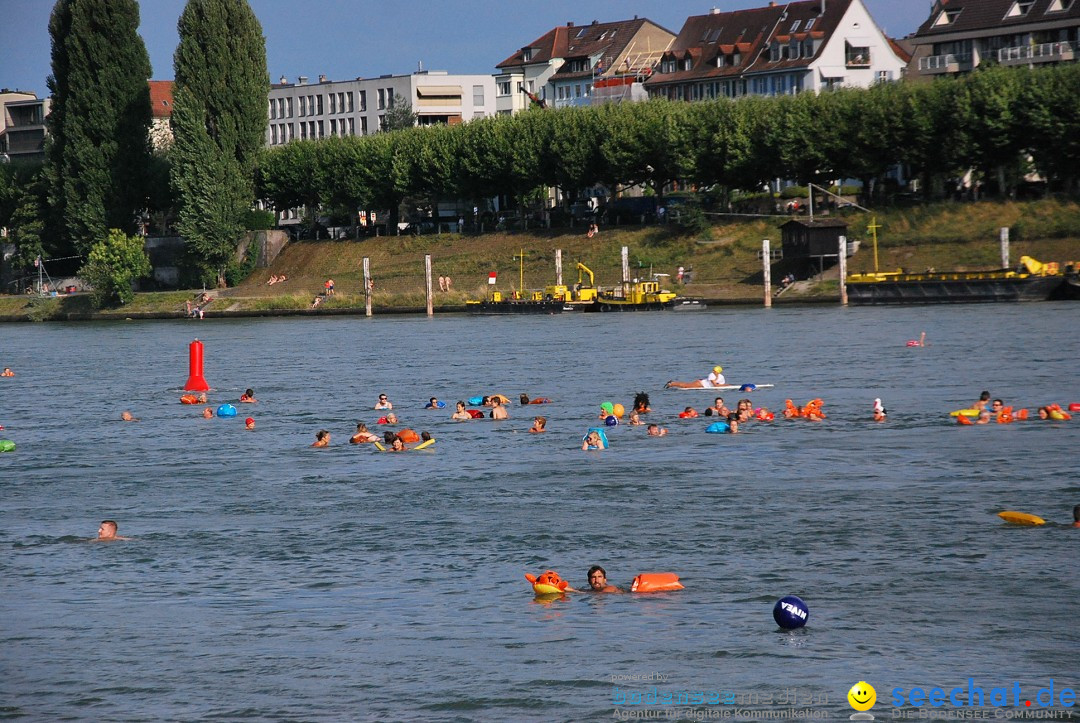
(345, 39)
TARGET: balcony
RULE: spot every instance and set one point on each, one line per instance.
(949, 63)
(1041, 53)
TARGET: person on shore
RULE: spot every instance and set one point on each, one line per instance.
(598, 580)
(127, 416)
(383, 403)
(107, 532)
(442, 283)
(249, 423)
(208, 413)
(539, 425)
(448, 282)
(655, 430)
(248, 397)
(329, 287)
(461, 413)
(498, 411)
(592, 441)
(715, 379)
(322, 439)
(363, 435)
(316, 301)
(641, 403)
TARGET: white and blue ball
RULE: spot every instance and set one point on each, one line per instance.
(790, 612)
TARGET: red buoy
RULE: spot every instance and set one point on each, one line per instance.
(196, 382)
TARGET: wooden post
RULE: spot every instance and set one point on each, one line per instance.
(367, 286)
(626, 264)
(427, 283)
(1004, 235)
(766, 266)
(558, 267)
(843, 270)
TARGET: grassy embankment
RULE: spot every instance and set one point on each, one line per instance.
(944, 236)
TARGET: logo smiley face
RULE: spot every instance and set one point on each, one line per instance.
(862, 696)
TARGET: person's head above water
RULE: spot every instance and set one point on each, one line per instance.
(597, 577)
(391, 418)
(1076, 516)
(107, 530)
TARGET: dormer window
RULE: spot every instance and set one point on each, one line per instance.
(1020, 8)
(808, 48)
(668, 66)
(720, 61)
(774, 52)
(526, 54)
(688, 64)
(1060, 6)
(809, 24)
(795, 26)
(947, 17)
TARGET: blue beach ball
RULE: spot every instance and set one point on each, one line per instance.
(790, 612)
(226, 410)
(611, 420)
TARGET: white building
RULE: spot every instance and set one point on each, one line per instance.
(358, 107)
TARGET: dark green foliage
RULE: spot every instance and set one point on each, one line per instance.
(256, 220)
(219, 124)
(113, 265)
(98, 149)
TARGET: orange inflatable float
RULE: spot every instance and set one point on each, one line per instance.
(656, 582)
(764, 415)
(189, 399)
(547, 583)
(962, 420)
(408, 436)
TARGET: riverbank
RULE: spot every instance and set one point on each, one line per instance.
(724, 260)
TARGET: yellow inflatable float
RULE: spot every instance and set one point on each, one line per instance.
(965, 413)
(1021, 518)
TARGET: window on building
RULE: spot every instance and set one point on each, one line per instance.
(527, 54)
(341, 102)
(795, 26)
(303, 106)
(668, 66)
(363, 100)
(774, 51)
(478, 96)
(389, 97)
(793, 49)
(273, 135)
(319, 105)
(532, 86)
(504, 88)
(809, 24)
(688, 64)
(884, 76)
(1060, 6)
(303, 131)
(363, 125)
(273, 109)
(807, 48)
(320, 128)
(577, 91)
(352, 127)
(856, 55)
(947, 17)
(382, 99)
(351, 99)
(1020, 8)
(333, 104)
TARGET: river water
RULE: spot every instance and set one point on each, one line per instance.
(269, 580)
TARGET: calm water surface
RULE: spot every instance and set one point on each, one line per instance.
(269, 580)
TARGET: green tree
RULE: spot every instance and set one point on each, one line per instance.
(112, 266)
(1051, 117)
(219, 124)
(98, 149)
(398, 116)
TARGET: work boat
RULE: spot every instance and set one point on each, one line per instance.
(633, 296)
(528, 302)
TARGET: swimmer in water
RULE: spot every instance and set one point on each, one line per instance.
(383, 403)
(397, 445)
(208, 413)
(7, 372)
(635, 419)
(461, 413)
(657, 431)
(592, 441)
(1076, 516)
(598, 580)
(497, 409)
(879, 411)
(719, 408)
(201, 398)
(434, 403)
(363, 435)
(984, 417)
(322, 439)
(641, 403)
(107, 532)
(390, 418)
(249, 423)
(248, 397)
(715, 379)
(733, 422)
(539, 425)
(128, 416)
(984, 399)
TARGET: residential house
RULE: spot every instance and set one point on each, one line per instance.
(783, 48)
(22, 125)
(579, 65)
(161, 108)
(358, 107)
(960, 35)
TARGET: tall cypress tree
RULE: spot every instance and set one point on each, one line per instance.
(98, 151)
(219, 124)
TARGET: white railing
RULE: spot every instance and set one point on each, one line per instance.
(1042, 51)
(942, 62)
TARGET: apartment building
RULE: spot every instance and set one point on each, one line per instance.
(358, 107)
(779, 49)
(578, 65)
(961, 35)
(22, 125)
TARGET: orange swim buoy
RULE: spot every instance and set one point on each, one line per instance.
(656, 582)
(1022, 415)
(408, 436)
(189, 399)
(1074, 407)
(547, 583)
(962, 420)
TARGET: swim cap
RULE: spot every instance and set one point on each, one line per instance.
(718, 368)
(249, 420)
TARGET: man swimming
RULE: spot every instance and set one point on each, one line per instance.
(248, 397)
(598, 580)
(208, 413)
(656, 430)
(107, 532)
(539, 425)
(715, 379)
(128, 416)
(497, 409)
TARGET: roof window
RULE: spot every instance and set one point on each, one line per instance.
(1059, 6)
(1020, 8)
(795, 26)
(947, 17)
(809, 24)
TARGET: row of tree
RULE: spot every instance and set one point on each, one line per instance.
(998, 121)
(100, 171)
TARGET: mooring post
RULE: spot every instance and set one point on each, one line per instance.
(367, 286)
(558, 267)
(1004, 234)
(843, 270)
(427, 283)
(766, 268)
